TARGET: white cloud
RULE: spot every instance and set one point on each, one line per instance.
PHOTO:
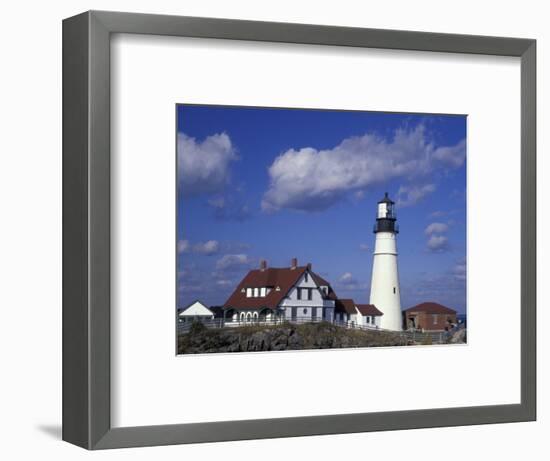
(347, 278)
(436, 228)
(411, 195)
(363, 247)
(459, 270)
(438, 243)
(232, 262)
(204, 167)
(184, 246)
(208, 248)
(348, 283)
(453, 156)
(310, 179)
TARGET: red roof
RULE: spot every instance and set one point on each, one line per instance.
(321, 282)
(345, 305)
(368, 309)
(273, 277)
(431, 308)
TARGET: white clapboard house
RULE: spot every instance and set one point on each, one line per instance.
(295, 294)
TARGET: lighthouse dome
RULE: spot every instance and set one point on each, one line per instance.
(387, 199)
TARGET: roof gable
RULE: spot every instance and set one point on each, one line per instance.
(321, 282)
(195, 308)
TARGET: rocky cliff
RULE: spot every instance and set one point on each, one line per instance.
(281, 337)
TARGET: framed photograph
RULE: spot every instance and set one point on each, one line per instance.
(248, 205)
(275, 230)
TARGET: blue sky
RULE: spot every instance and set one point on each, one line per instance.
(262, 183)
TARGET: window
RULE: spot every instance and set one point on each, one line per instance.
(305, 311)
(249, 292)
(393, 290)
(306, 277)
(256, 292)
(299, 293)
(435, 318)
(262, 292)
(309, 294)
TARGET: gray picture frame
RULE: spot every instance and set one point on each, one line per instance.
(86, 229)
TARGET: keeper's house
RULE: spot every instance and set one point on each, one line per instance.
(294, 293)
(429, 316)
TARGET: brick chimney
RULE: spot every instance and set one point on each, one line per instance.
(294, 263)
(263, 264)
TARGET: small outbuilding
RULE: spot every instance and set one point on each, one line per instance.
(363, 315)
(196, 311)
(368, 315)
(345, 311)
(429, 316)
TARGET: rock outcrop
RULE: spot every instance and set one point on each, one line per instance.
(458, 337)
(282, 337)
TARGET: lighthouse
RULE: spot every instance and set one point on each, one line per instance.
(384, 289)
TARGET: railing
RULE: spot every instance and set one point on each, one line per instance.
(410, 335)
(230, 323)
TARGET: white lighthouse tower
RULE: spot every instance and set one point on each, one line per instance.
(384, 289)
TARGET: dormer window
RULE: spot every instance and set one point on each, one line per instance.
(256, 292)
(249, 292)
(277, 288)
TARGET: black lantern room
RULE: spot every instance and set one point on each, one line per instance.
(385, 216)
